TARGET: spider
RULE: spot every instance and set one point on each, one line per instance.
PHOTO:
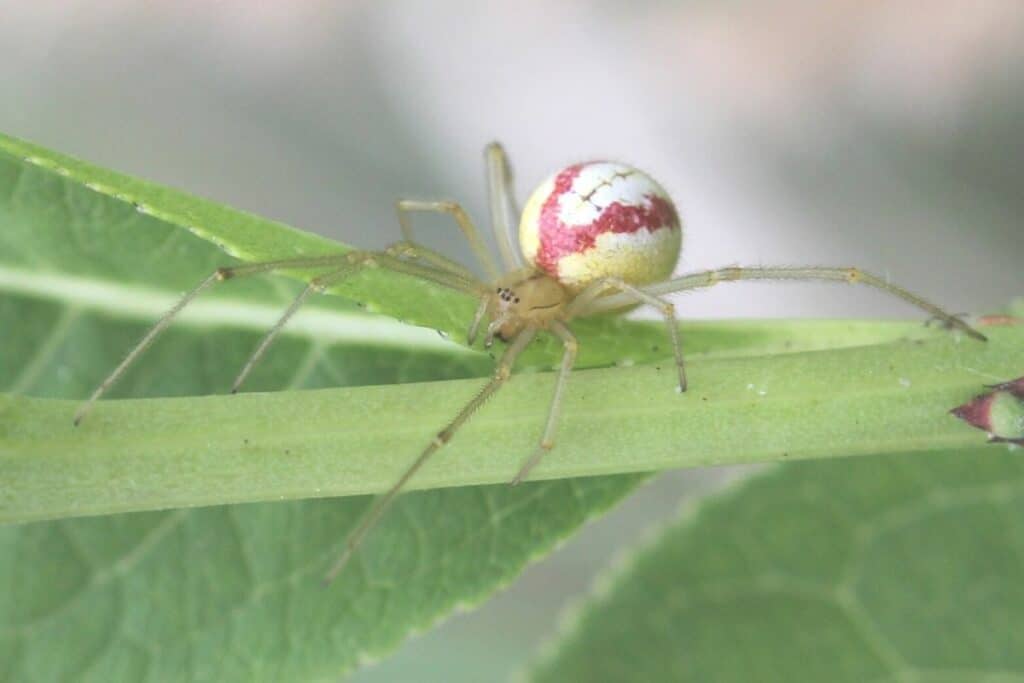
(595, 237)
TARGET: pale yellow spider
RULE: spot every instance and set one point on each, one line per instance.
(596, 237)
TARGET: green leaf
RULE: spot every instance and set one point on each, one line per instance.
(235, 593)
(176, 452)
(894, 568)
(219, 593)
(105, 240)
(74, 202)
(86, 272)
(89, 258)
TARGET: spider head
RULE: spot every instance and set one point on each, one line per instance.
(520, 302)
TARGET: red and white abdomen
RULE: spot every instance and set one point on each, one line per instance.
(600, 219)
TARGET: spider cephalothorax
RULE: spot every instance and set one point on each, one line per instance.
(534, 300)
(594, 238)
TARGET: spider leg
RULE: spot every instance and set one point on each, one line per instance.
(355, 262)
(216, 276)
(547, 441)
(417, 252)
(478, 317)
(407, 206)
(591, 300)
(317, 284)
(501, 193)
(708, 278)
(502, 372)
(404, 250)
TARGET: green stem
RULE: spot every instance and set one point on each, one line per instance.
(162, 453)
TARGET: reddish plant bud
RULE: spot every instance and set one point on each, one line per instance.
(999, 412)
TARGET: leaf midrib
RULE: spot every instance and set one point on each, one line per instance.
(134, 302)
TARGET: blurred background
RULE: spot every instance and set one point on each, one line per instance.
(888, 135)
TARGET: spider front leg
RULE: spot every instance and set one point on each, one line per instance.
(851, 275)
(415, 252)
(219, 275)
(592, 300)
(356, 261)
(502, 372)
(406, 206)
(478, 318)
(317, 284)
(547, 440)
(504, 212)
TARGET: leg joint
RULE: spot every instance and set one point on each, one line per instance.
(361, 259)
(401, 249)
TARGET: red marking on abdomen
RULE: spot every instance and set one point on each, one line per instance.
(558, 239)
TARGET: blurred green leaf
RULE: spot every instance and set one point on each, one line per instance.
(889, 568)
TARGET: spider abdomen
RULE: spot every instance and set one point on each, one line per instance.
(600, 219)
